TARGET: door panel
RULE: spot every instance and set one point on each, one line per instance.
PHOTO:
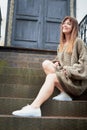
(26, 28)
(28, 7)
(56, 8)
(36, 23)
(55, 11)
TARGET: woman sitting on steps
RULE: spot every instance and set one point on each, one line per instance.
(68, 71)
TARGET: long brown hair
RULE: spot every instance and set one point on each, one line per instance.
(74, 34)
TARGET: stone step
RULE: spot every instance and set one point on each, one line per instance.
(19, 57)
(21, 76)
(8, 122)
(49, 108)
(20, 82)
(20, 71)
(32, 80)
(19, 90)
(29, 90)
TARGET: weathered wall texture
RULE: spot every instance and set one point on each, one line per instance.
(3, 6)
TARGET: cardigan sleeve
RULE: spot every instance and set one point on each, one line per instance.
(79, 70)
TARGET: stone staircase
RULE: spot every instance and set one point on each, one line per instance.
(21, 77)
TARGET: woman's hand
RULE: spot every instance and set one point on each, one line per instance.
(64, 70)
(57, 64)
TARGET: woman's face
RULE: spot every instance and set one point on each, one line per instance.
(66, 26)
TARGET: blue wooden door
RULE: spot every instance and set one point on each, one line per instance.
(36, 23)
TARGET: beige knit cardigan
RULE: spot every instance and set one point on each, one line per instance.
(74, 82)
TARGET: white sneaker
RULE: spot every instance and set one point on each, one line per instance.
(62, 97)
(28, 111)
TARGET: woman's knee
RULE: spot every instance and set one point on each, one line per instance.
(45, 64)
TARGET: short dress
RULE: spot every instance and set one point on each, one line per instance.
(74, 82)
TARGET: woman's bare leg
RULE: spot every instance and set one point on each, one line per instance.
(44, 93)
(48, 67)
(49, 84)
(46, 90)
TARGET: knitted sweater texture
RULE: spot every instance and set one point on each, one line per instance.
(75, 80)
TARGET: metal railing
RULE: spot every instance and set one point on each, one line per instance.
(83, 29)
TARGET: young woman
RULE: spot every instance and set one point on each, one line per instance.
(68, 71)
